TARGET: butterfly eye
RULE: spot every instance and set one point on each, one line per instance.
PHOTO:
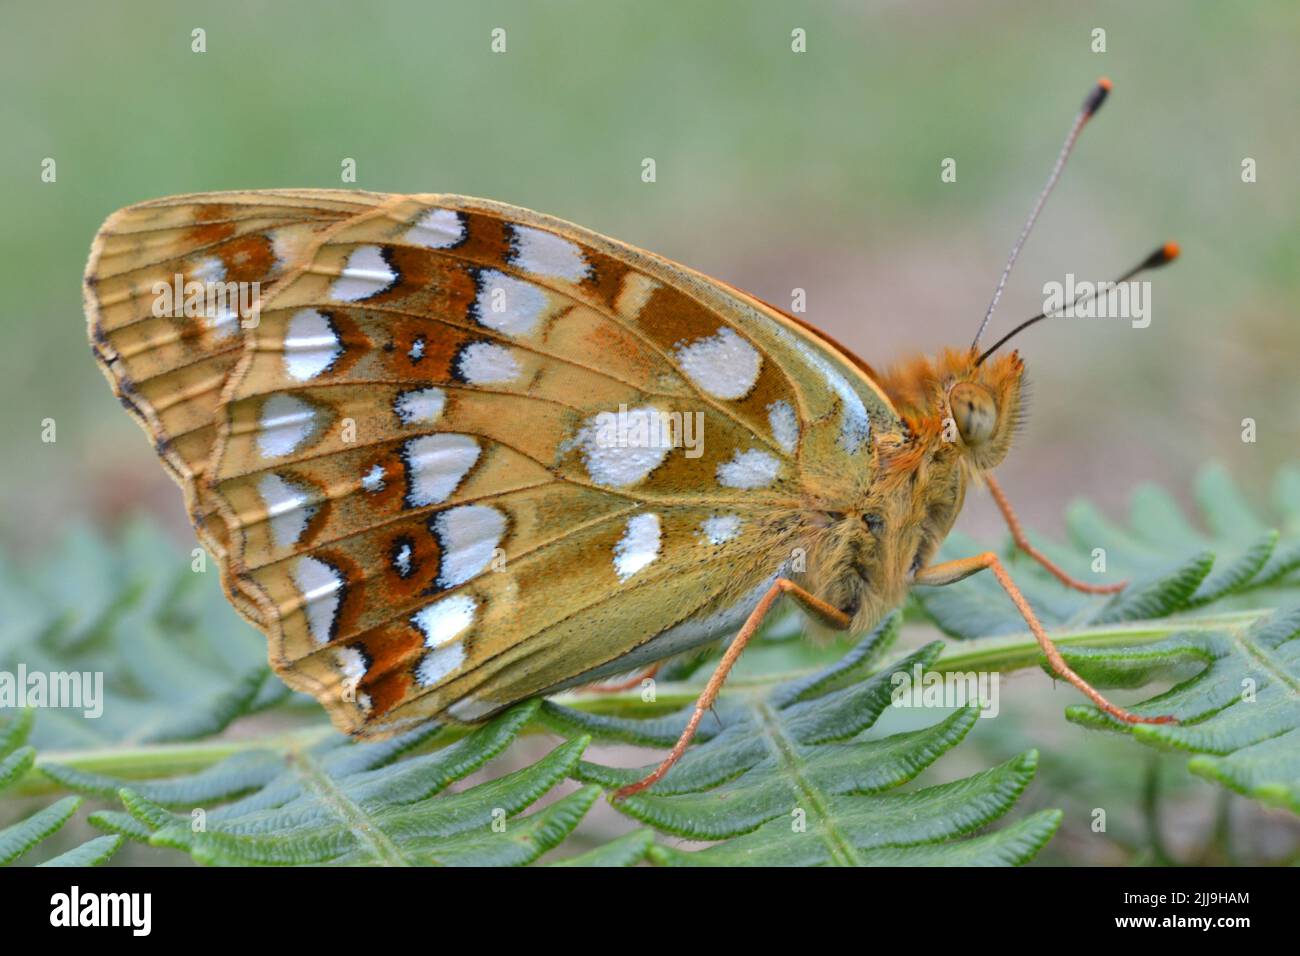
(974, 412)
(873, 522)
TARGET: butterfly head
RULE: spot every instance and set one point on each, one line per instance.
(959, 409)
(984, 406)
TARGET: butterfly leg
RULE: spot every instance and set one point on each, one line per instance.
(630, 684)
(950, 572)
(1022, 541)
(819, 608)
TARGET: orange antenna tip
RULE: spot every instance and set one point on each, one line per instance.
(1164, 255)
(1161, 257)
(1096, 97)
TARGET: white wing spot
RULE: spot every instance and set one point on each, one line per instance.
(437, 229)
(417, 350)
(208, 269)
(436, 665)
(855, 423)
(352, 663)
(444, 620)
(420, 406)
(286, 422)
(288, 506)
(724, 365)
(320, 586)
(748, 470)
(639, 545)
(402, 560)
(365, 274)
(486, 363)
(507, 304)
(719, 529)
(468, 536)
(311, 345)
(785, 425)
(373, 480)
(621, 449)
(546, 254)
(441, 623)
(436, 465)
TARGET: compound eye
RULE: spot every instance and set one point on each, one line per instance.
(974, 412)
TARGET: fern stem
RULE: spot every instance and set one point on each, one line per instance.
(146, 761)
(1005, 653)
(1016, 651)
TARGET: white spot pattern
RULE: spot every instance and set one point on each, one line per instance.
(436, 229)
(441, 623)
(420, 406)
(723, 365)
(310, 346)
(719, 529)
(365, 274)
(320, 586)
(639, 545)
(507, 304)
(445, 619)
(373, 480)
(287, 505)
(621, 449)
(855, 423)
(436, 465)
(748, 470)
(402, 560)
(468, 535)
(546, 254)
(785, 425)
(286, 422)
(486, 363)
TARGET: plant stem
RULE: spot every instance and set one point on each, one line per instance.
(1006, 653)
(1016, 651)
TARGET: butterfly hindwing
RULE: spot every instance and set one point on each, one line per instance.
(167, 364)
(433, 466)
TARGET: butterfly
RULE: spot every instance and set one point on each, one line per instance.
(458, 454)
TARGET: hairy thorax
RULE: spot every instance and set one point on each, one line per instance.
(861, 559)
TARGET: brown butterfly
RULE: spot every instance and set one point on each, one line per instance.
(447, 462)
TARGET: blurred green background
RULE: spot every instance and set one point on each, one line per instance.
(776, 170)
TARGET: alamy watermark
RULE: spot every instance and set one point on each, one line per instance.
(651, 428)
(76, 690)
(926, 688)
(1098, 300)
(222, 304)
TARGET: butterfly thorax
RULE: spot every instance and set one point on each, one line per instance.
(958, 420)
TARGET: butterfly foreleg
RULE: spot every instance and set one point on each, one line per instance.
(818, 608)
(1022, 541)
(950, 572)
(630, 684)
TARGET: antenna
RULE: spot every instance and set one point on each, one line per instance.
(1162, 256)
(1090, 106)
